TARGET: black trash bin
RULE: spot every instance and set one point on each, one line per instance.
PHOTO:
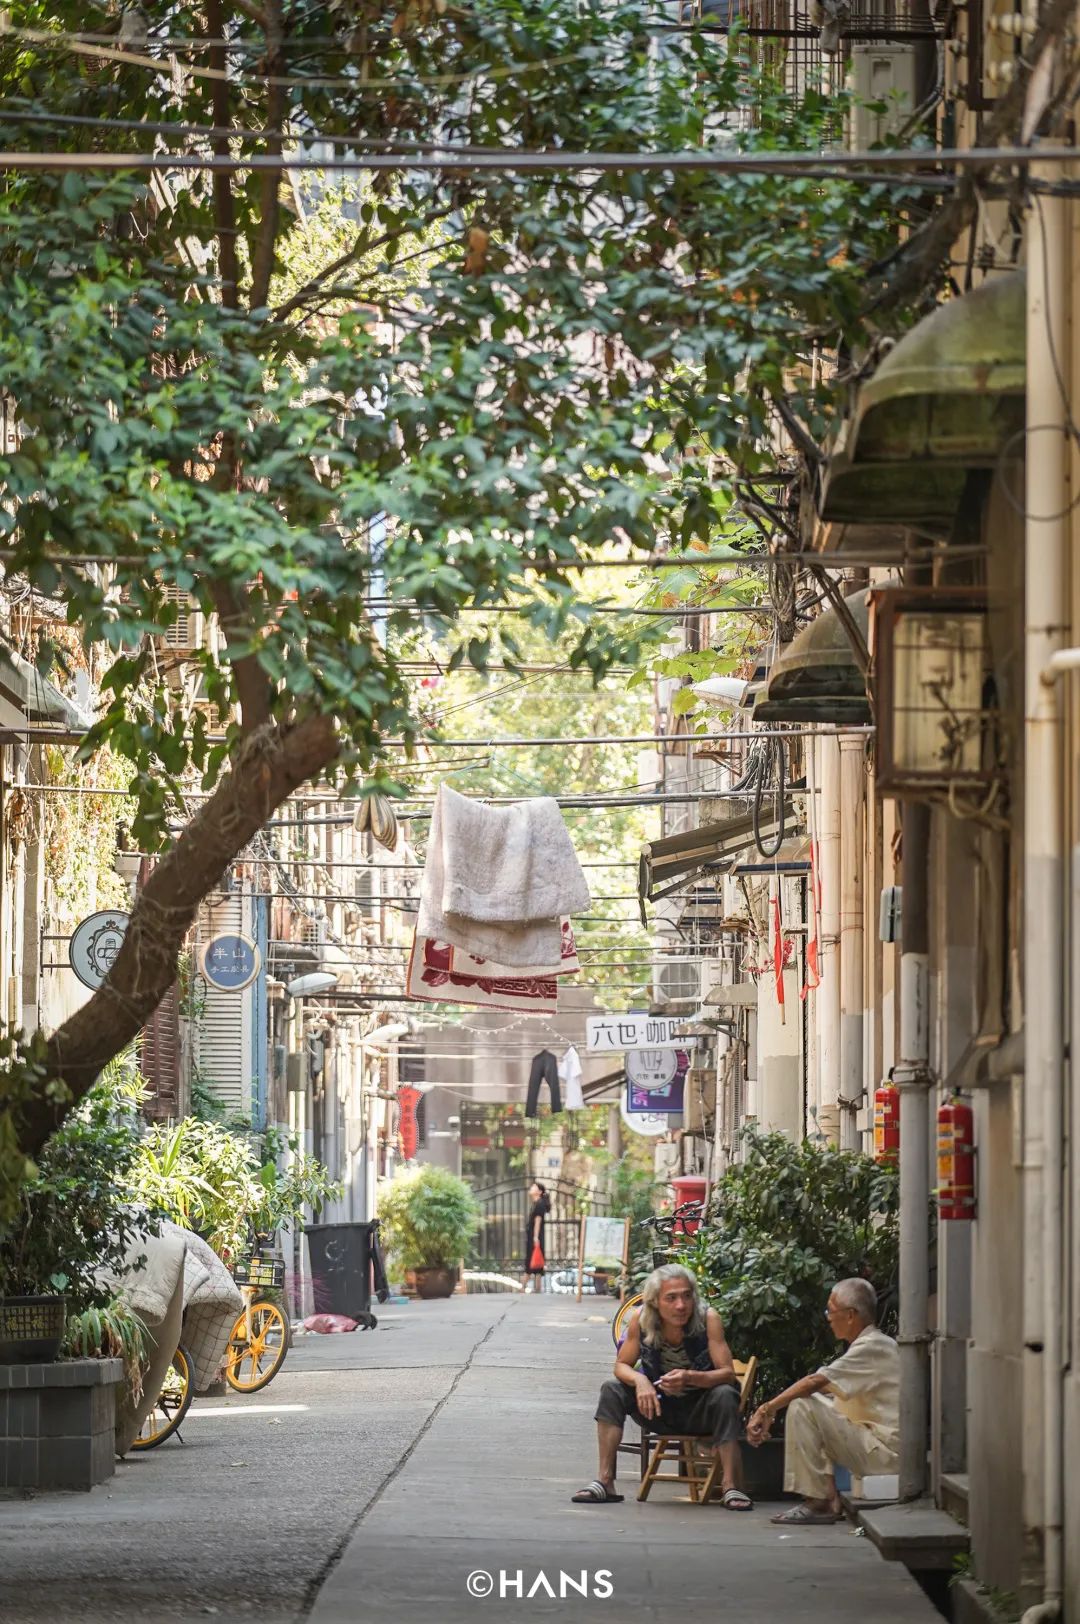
(346, 1269)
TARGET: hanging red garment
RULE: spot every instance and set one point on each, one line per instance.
(813, 975)
(781, 949)
(408, 1099)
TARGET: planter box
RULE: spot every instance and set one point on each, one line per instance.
(763, 1470)
(58, 1423)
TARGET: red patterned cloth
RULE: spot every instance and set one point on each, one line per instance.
(441, 974)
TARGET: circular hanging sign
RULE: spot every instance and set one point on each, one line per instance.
(649, 1123)
(230, 963)
(652, 1069)
(94, 944)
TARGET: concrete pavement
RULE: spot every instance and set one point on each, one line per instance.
(240, 1520)
(381, 1469)
(483, 1501)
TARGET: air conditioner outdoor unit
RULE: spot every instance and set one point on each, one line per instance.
(884, 76)
(187, 632)
(677, 982)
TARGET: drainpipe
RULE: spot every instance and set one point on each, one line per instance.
(1046, 600)
(852, 784)
(912, 1078)
(828, 994)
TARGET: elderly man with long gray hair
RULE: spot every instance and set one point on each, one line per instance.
(845, 1414)
(686, 1383)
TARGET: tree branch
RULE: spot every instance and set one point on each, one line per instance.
(253, 687)
(359, 248)
(224, 209)
(262, 268)
(267, 768)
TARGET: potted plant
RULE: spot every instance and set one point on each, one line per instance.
(69, 1230)
(783, 1226)
(428, 1215)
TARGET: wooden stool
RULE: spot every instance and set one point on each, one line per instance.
(699, 1476)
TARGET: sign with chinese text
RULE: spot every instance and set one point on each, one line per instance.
(612, 1034)
(650, 1069)
(230, 963)
(666, 1100)
(650, 1123)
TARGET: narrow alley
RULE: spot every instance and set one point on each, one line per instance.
(384, 1469)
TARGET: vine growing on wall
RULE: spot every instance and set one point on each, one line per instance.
(79, 831)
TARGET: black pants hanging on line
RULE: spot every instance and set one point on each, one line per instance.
(544, 1069)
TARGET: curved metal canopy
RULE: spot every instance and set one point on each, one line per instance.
(948, 397)
(817, 678)
(952, 390)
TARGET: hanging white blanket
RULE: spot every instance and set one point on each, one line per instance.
(498, 880)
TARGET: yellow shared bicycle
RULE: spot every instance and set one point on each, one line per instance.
(260, 1338)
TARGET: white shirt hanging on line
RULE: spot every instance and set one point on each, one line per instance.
(570, 1077)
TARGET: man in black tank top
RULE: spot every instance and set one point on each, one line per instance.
(673, 1373)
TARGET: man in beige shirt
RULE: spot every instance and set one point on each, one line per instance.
(845, 1414)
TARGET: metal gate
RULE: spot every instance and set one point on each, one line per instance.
(504, 1209)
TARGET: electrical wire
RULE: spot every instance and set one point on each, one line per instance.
(907, 163)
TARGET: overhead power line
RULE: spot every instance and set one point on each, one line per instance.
(908, 162)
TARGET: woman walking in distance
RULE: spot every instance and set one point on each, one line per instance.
(534, 1237)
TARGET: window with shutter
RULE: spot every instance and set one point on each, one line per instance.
(159, 1057)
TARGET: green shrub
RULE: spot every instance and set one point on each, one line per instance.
(217, 1182)
(75, 1217)
(112, 1332)
(428, 1218)
(783, 1227)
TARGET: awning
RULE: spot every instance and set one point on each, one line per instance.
(35, 697)
(952, 390)
(793, 857)
(667, 864)
(816, 678)
(733, 995)
(948, 397)
(860, 493)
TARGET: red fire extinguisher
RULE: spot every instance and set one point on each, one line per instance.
(887, 1125)
(956, 1159)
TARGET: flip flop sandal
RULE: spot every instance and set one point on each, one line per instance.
(803, 1517)
(736, 1500)
(595, 1495)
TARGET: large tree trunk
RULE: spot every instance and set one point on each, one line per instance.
(269, 765)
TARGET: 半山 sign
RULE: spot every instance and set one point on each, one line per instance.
(612, 1034)
(230, 963)
(94, 944)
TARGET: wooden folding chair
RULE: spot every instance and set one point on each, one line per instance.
(699, 1475)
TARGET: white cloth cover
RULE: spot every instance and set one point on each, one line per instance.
(499, 879)
(570, 1077)
(213, 1303)
(149, 1290)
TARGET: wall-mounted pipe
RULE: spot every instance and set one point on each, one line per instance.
(1046, 541)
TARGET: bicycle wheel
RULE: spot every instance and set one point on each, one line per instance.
(173, 1402)
(249, 1365)
(621, 1321)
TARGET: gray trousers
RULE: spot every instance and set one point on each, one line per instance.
(712, 1412)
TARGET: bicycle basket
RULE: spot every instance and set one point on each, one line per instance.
(266, 1272)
